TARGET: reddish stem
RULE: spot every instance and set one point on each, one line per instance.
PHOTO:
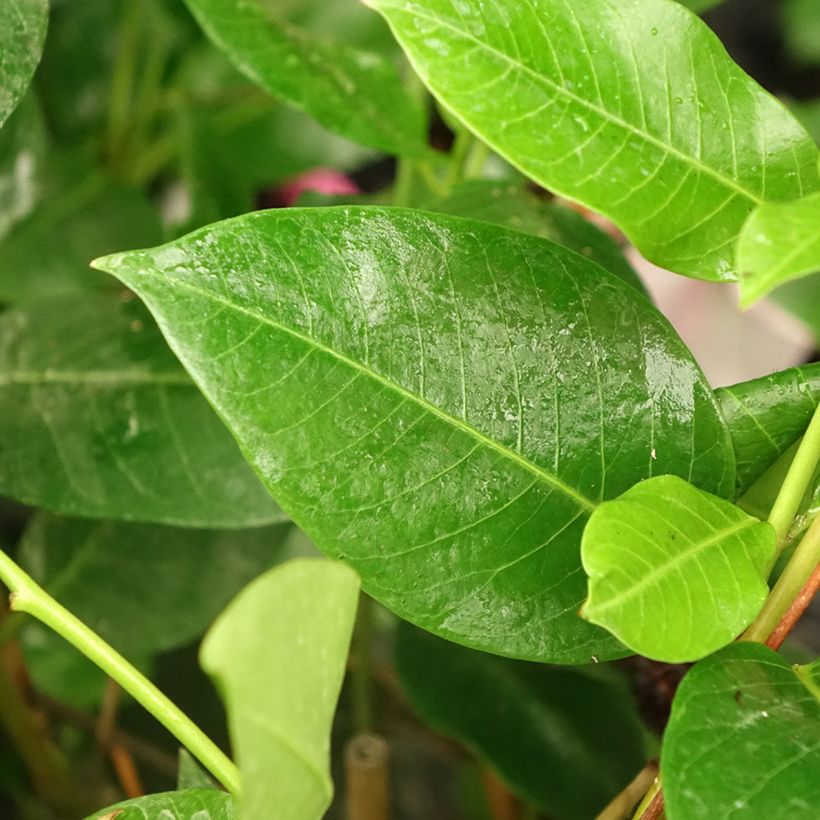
(793, 614)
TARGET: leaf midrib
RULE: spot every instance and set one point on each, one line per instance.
(602, 112)
(682, 557)
(581, 500)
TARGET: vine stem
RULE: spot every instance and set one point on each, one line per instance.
(797, 480)
(789, 585)
(28, 596)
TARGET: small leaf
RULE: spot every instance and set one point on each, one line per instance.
(192, 804)
(278, 655)
(511, 206)
(564, 740)
(355, 93)
(22, 34)
(766, 416)
(801, 298)
(780, 242)
(440, 402)
(633, 108)
(191, 775)
(744, 739)
(98, 419)
(675, 573)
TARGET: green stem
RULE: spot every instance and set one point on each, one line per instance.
(801, 565)
(458, 154)
(647, 799)
(403, 188)
(361, 679)
(797, 480)
(476, 160)
(28, 596)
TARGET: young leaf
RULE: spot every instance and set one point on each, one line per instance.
(355, 93)
(744, 738)
(514, 207)
(97, 418)
(172, 582)
(277, 655)
(766, 416)
(780, 241)
(564, 740)
(632, 108)
(22, 34)
(192, 804)
(801, 298)
(674, 572)
(441, 402)
(191, 775)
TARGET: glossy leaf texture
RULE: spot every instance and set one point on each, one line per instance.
(191, 804)
(172, 582)
(564, 740)
(744, 739)
(357, 94)
(98, 419)
(631, 108)
(278, 656)
(22, 34)
(439, 402)
(80, 214)
(766, 416)
(674, 572)
(780, 241)
(512, 206)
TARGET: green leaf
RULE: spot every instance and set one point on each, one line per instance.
(801, 27)
(357, 94)
(514, 207)
(172, 582)
(192, 804)
(22, 34)
(632, 108)
(780, 241)
(97, 418)
(23, 147)
(766, 416)
(743, 738)
(674, 572)
(801, 298)
(191, 775)
(565, 741)
(80, 214)
(278, 655)
(438, 401)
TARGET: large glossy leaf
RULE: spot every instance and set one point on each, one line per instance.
(780, 241)
(674, 572)
(766, 416)
(632, 108)
(357, 94)
(97, 418)
(80, 214)
(744, 739)
(438, 401)
(22, 33)
(192, 804)
(278, 656)
(565, 741)
(23, 147)
(172, 582)
(514, 207)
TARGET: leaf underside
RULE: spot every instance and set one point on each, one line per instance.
(439, 402)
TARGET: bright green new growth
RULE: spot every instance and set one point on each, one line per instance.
(440, 402)
(632, 108)
(356, 94)
(22, 33)
(674, 572)
(780, 241)
(744, 738)
(277, 655)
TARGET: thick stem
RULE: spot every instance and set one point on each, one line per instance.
(797, 480)
(624, 802)
(361, 674)
(791, 581)
(651, 794)
(28, 596)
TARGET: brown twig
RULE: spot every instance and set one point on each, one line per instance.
(793, 614)
(504, 805)
(625, 801)
(367, 778)
(126, 770)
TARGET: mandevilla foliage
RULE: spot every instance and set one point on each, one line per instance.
(326, 370)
